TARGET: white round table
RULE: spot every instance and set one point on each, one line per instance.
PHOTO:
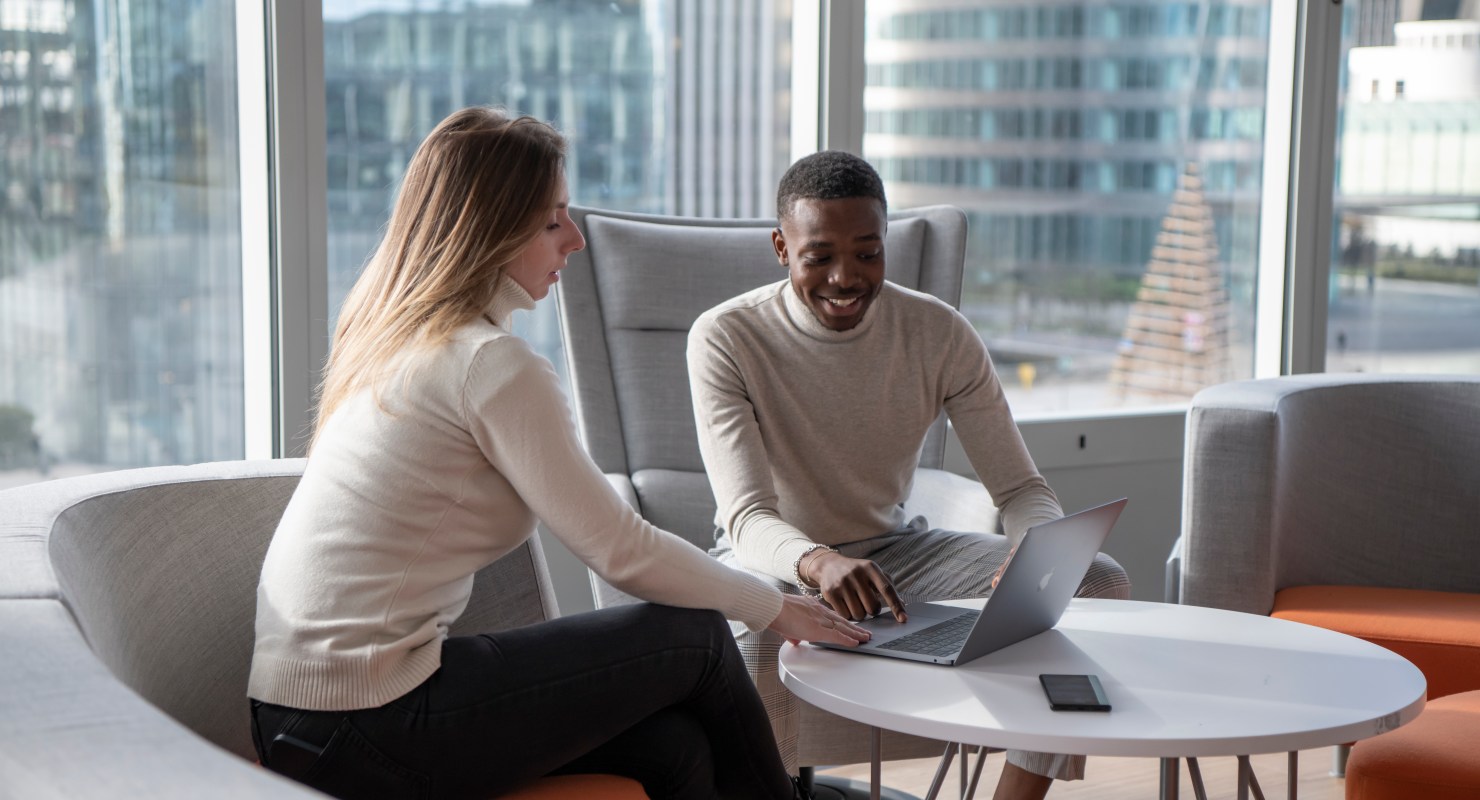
(1183, 681)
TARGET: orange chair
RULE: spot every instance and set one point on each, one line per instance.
(1438, 631)
(580, 787)
(1434, 757)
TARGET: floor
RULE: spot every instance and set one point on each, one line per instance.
(1123, 778)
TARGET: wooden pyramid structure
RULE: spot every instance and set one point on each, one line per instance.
(1176, 336)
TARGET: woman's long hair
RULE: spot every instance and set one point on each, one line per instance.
(479, 188)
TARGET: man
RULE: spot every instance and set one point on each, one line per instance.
(813, 396)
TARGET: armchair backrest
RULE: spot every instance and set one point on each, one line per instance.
(1354, 480)
(627, 302)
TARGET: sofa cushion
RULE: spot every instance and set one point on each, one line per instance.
(1438, 631)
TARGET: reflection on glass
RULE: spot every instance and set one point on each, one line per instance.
(120, 271)
(1108, 157)
(671, 106)
(1405, 279)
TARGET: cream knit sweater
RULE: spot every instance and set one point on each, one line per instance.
(813, 435)
(398, 507)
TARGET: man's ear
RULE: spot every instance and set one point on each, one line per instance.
(778, 241)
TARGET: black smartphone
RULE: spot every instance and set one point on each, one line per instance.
(1074, 692)
(292, 757)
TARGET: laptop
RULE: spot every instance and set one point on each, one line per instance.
(1031, 596)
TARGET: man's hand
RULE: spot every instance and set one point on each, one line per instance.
(805, 619)
(856, 587)
(998, 577)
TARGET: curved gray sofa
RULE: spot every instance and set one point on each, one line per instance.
(126, 623)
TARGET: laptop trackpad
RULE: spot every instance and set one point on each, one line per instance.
(921, 616)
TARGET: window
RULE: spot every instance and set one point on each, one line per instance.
(1405, 272)
(1102, 278)
(120, 265)
(670, 107)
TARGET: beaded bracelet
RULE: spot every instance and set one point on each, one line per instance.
(796, 570)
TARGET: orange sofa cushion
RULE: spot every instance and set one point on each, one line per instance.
(1438, 631)
(1433, 757)
(580, 787)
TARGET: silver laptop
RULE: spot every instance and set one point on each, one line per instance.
(1030, 598)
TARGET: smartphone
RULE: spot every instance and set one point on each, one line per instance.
(1074, 692)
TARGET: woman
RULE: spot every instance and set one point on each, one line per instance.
(441, 439)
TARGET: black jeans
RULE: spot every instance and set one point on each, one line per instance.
(656, 693)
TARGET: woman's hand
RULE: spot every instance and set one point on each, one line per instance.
(805, 619)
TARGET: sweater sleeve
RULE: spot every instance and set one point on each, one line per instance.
(517, 413)
(983, 422)
(735, 457)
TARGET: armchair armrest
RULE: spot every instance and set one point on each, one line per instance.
(604, 594)
(952, 502)
(622, 483)
(1172, 588)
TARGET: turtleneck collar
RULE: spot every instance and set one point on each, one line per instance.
(805, 321)
(508, 297)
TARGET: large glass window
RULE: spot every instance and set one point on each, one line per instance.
(1108, 156)
(120, 268)
(671, 106)
(1405, 279)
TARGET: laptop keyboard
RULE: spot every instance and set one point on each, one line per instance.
(940, 639)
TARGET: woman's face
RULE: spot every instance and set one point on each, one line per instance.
(538, 265)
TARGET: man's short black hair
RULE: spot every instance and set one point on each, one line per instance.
(828, 175)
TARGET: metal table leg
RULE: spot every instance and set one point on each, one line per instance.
(1195, 773)
(876, 762)
(1293, 769)
(941, 770)
(1170, 780)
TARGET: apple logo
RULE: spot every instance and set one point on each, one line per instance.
(1043, 582)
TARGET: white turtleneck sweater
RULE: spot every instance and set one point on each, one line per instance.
(812, 435)
(402, 502)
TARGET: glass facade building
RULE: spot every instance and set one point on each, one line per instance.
(120, 268)
(1063, 129)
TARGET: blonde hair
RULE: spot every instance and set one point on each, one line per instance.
(477, 191)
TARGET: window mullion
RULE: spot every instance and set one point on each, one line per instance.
(299, 215)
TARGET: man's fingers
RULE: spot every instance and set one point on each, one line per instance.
(892, 598)
(884, 589)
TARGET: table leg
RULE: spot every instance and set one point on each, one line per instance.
(1293, 771)
(941, 770)
(976, 774)
(1243, 777)
(962, 752)
(1170, 780)
(1195, 773)
(876, 761)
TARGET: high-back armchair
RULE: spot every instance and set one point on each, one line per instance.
(627, 302)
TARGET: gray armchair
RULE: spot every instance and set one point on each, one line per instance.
(627, 302)
(1348, 480)
(1351, 502)
(127, 607)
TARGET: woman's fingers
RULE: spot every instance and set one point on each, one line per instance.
(806, 619)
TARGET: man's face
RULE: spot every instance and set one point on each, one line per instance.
(834, 252)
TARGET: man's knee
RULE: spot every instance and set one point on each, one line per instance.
(1106, 579)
